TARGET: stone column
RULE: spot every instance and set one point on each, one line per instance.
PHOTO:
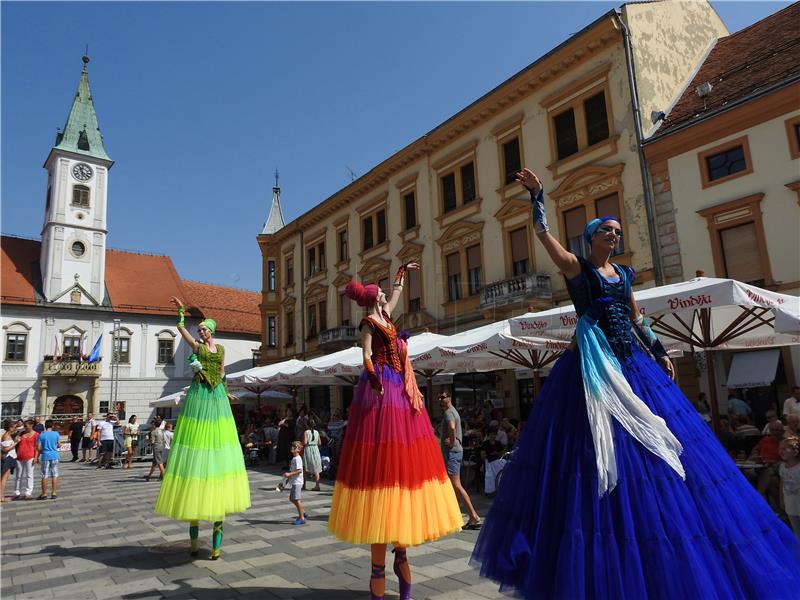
(94, 396)
(42, 407)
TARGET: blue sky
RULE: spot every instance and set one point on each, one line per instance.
(200, 102)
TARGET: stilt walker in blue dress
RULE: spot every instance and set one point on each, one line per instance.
(617, 489)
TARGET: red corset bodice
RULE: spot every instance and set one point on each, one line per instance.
(384, 343)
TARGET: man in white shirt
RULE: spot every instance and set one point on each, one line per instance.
(106, 433)
(791, 406)
(87, 442)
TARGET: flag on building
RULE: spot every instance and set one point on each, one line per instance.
(94, 355)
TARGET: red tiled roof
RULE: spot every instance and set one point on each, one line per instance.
(743, 64)
(16, 269)
(233, 309)
(142, 283)
(137, 284)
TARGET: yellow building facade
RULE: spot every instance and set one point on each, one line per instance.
(449, 200)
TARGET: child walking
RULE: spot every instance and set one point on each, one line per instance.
(789, 472)
(294, 481)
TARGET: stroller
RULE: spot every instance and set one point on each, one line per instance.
(252, 457)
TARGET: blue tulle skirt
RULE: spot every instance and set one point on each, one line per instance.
(549, 535)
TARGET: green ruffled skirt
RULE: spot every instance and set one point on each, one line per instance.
(205, 477)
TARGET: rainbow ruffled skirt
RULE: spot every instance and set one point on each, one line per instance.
(392, 486)
(205, 477)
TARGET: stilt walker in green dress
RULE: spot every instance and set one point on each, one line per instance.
(205, 477)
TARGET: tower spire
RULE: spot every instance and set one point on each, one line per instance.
(81, 134)
(275, 219)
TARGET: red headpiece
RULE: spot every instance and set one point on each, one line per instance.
(364, 295)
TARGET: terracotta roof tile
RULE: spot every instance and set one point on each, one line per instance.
(19, 257)
(742, 64)
(141, 283)
(233, 309)
(136, 284)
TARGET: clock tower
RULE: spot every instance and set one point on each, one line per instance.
(72, 261)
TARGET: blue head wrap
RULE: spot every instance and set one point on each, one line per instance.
(592, 226)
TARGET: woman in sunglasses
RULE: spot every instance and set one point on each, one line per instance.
(617, 488)
(205, 478)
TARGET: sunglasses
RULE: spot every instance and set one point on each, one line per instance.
(606, 229)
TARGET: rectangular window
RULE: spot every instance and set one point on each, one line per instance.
(166, 352)
(519, 251)
(321, 262)
(11, 409)
(344, 309)
(311, 257)
(608, 206)
(468, 183)
(72, 346)
(15, 346)
(80, 195)
(289, 328)
(122, 350)
(380, 218)
(726, 163)
(453, 276)
(741, 255)
(414, 291)
(475, 278)
(566, 134)
(312, 320)
(104, 405)
(271, 275)
(165, 412)
(594, 109)
(384, 285)
(410, 210)
(343, 245)
(366, 224)
(323, 315)
(512, 163)
(574, 222)
(290, 271)
(449, 192)
(272, 334)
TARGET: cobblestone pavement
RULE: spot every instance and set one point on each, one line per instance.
(101, 539)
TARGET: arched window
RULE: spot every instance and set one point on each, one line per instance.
(80, 196)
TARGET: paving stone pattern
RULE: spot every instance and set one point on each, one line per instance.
(100, 539)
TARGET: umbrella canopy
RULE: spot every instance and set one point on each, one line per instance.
(273, 373)
(704, 313)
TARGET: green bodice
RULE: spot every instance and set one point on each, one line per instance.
(212, 364)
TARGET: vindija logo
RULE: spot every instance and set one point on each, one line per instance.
(534, 325)
(699, 300)
(569, 320)
(478, 348)
(762, 300)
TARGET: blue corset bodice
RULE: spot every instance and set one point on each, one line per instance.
(591, 285)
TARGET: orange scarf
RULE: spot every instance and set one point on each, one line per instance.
(409, 381)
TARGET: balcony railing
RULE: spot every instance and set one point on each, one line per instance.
(70, 368)
(516, 289)
(341, 334)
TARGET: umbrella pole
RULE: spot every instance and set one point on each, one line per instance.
(537, 382)
(712, 389)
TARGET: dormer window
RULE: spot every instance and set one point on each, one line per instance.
(83, 141)
(80, 196)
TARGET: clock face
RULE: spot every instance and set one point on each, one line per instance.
(82, 172)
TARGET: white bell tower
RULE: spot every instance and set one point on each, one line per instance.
(72, 261)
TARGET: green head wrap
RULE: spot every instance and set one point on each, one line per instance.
(210, 324)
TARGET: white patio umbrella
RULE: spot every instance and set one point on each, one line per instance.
(274, 373)
(704, 313)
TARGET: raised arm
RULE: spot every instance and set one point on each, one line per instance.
(397, 287)
(188, 338)
(649, 338)
(566, 261)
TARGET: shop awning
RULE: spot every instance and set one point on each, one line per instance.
(753, 369)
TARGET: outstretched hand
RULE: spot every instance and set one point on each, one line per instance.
(529, 179)
(177, 302)
(667, 365)
(412, 265)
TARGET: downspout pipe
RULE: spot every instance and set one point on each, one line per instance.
(647, 189)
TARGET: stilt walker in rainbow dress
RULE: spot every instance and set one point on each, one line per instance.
(617, 489)
(392, 486)
(205, 478)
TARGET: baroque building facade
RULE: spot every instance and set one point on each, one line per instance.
(449, 200)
